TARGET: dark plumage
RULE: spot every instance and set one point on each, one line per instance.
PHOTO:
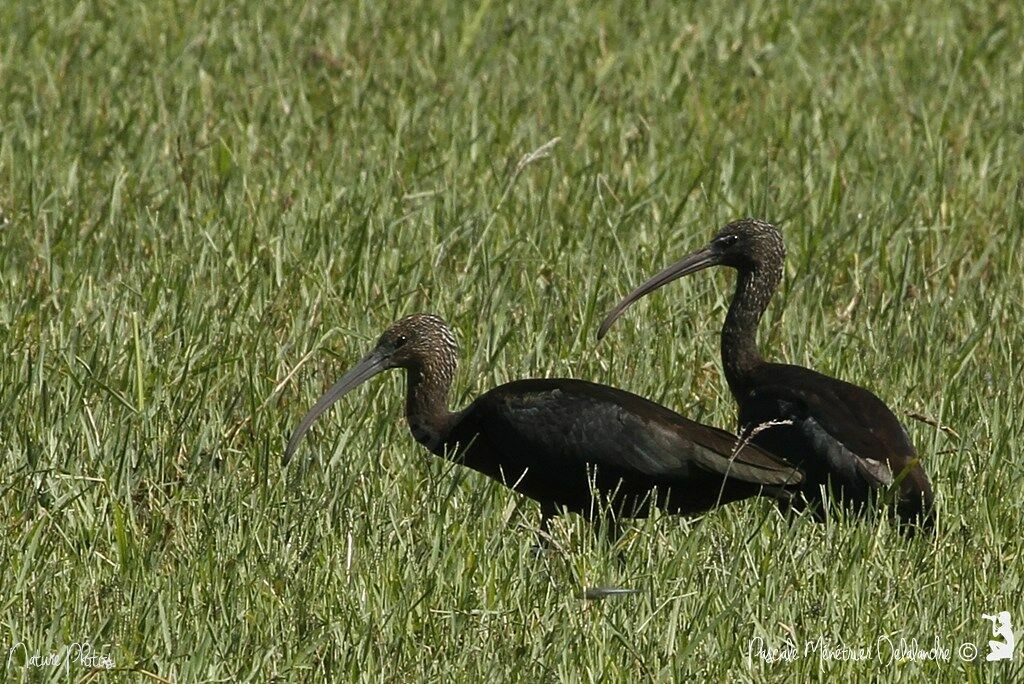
(559, 441)
(836, 432)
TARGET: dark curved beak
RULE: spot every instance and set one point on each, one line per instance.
(690, 264)
(370, 365)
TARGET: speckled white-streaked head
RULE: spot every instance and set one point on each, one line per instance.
(424, 345)
(750, 244)
(420, 341)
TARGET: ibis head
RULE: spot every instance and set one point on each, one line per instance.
(421, 343)
(747, 245)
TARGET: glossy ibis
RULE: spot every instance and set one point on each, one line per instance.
(560, 441)
(834, 431)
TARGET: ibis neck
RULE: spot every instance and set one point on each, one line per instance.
(426, 402)
(740, 355)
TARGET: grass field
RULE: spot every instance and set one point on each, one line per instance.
(209, 210)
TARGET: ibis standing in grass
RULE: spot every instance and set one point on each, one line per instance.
(568, 444)
(839, 434)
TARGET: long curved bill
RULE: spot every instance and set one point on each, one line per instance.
(370, 365)
(690, 264)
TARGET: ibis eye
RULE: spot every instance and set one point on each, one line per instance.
(400, 341)
(727, 240)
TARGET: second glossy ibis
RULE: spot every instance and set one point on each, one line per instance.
(838, 433)
(567, 444)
